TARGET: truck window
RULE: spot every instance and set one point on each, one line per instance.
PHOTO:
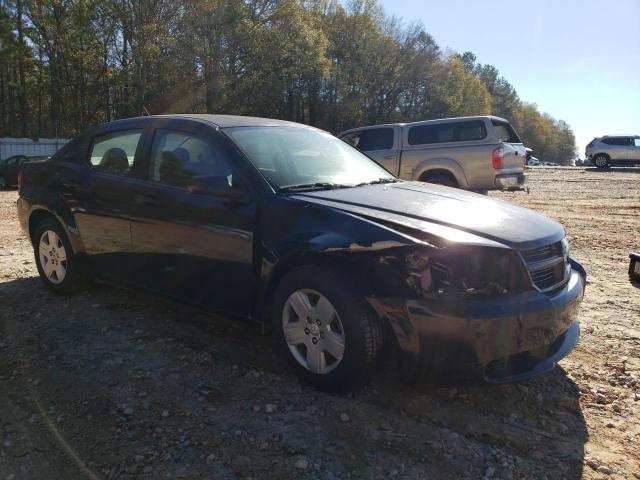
(447, 132)
(505, 132)
(372, 139)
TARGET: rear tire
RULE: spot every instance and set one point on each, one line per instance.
(3, 183)
(601, 160)
(325, 328)
(441, 179)
(56, 262)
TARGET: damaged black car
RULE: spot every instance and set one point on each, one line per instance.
(290, 228)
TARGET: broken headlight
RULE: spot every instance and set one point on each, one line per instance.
(469, 270)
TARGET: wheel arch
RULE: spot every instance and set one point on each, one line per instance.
(445, 166)
(38, 214)
(355, 265)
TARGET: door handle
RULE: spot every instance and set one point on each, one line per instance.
(148, 200)
(389, 157)
(70, 184)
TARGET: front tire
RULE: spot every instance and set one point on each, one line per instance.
(325, 328)
(55, 259)
(601, 160)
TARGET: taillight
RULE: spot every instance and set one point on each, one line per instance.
(497, 158)
(20, 179)
(591, 143)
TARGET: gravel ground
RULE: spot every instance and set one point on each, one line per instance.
(115, 384)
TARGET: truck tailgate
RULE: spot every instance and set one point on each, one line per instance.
(514, 157)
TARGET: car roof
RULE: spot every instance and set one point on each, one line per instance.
(618, 136)
(221, 121)
(421, 122)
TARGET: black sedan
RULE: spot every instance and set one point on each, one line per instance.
(10, 167)
(288, 227)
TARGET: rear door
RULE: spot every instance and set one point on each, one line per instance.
(616, 148)
(194, 218)
(380, 143)
(101, 199)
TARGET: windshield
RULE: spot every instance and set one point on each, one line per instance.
(298, 156)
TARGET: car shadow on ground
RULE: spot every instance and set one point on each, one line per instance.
(613, 169)
(536, 426)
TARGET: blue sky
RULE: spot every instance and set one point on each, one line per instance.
(577, 60)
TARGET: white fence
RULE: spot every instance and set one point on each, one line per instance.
(25, 146)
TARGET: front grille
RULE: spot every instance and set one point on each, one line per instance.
(548, 265)
(537, 254)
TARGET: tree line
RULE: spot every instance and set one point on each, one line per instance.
(68, 64)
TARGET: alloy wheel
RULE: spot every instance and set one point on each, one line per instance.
(53, 257)
(313, 331)
(601, 161)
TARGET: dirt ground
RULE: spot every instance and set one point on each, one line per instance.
(115, 384)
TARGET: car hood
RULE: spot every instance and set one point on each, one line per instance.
(423, 206)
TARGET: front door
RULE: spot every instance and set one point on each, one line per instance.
(192, 231)
(381, 144)
(633, 150)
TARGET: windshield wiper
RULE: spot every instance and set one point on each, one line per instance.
(301, 187)
(378, 181)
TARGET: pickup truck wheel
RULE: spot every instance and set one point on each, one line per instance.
(55, 259)
(440, 179)
(3, 183)
(601, 160)
(325, 329)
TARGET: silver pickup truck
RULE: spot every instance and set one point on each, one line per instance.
(473, 153)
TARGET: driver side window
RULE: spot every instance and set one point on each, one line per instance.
(185, 160)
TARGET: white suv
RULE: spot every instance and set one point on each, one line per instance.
(614, 150)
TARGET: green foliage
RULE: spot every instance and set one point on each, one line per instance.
(328, 63)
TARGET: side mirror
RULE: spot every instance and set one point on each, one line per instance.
(218, 186)
(208, 185)
(234, 196)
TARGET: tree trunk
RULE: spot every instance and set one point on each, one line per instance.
(22, 92)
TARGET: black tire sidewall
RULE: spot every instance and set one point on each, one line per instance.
(69, 283)
(443, 180)
(352, 310)
(3, 186)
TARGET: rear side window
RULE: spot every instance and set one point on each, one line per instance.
(371, 139)
(617, 141)
(505, 132)
(114, 152)
(447, 132)
(636, 142)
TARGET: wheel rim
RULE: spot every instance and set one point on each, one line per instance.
(601, 161)
(313, 331)
(53, 257)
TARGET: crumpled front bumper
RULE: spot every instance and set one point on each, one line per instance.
(503, 339)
